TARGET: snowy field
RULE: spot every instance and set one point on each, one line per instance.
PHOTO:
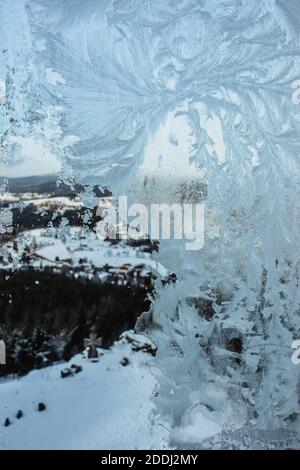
(105, 406)
(49, 245)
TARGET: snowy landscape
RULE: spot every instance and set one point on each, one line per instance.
(106, 405)
(116, 334)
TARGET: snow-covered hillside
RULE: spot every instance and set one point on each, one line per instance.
(105, 406)
(73, 247)
(175, 102)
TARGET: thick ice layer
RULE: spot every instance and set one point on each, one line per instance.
(143, 96)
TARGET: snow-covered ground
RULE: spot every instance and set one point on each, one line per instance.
(40, 200)
(47, 246)
(59, 201)
(105, 406)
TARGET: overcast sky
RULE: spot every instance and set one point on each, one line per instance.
(29, 158)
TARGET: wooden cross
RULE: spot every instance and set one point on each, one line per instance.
(93, 343)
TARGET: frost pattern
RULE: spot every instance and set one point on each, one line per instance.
(97, 80)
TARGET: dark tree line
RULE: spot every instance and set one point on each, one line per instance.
(45, 316)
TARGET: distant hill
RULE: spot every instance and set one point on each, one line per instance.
(47, 184)
(39, 184)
